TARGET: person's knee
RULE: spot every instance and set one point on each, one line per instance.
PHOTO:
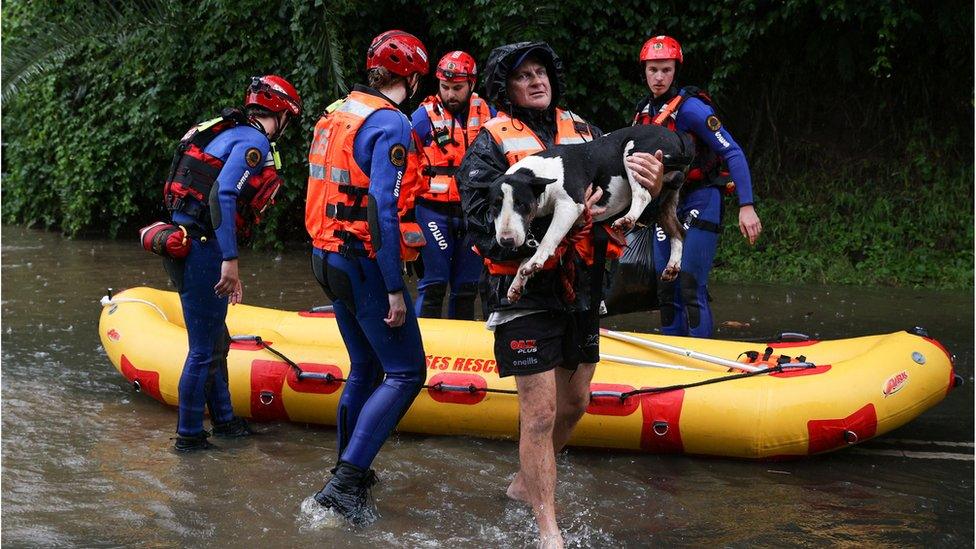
(690, 295)
(538, 421)
(409, 381)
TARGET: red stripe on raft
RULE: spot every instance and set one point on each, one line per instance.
(267, 379)
(316, 386)
(660, 432)
(248, 345)
(828, 434)
(316, 315)
(786, 344)
(804, 372)
(457, 397)
(611, 405)
(148, 380)
(952, 367)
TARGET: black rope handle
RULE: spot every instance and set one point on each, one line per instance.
(773, 369)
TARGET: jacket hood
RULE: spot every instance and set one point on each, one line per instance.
(504, 59)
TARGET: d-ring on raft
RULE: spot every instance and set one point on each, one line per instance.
(650, 393)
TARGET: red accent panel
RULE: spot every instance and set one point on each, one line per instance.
(611, 406)
(828, 434)
(316, 315)
(804, 372)
(952, 367)
(939, 345)
(662, 407)
(317, 386)
(787, 344)
(267, 379)
(248, 345)
(148, 380)
(457, 397)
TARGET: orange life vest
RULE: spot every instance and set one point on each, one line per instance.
(335, 208)
(449, 141)
(518, 141)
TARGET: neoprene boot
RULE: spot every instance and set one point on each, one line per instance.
(347, 493)
(190, 444)
(236, 427)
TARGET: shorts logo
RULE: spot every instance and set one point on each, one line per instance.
(524, 346)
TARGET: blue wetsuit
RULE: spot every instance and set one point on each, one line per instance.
(371, 404)
(203, 382)
(448, 257)
(684, 305)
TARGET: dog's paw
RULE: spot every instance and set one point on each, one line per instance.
(670, 272)
(530, 268)
(514, 292)
(623, 224)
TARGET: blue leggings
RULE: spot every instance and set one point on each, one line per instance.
(371, 404)
(448, 259)
(684, 302)
(203, 383)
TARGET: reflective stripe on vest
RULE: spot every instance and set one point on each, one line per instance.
(518, 141)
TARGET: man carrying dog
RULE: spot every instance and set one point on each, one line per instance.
(547, 339)
(446, 123)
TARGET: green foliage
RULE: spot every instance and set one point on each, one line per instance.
(848, 111)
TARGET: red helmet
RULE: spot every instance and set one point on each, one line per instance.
(456, 66)
(273, 93)
(661, 48)
(398, 52)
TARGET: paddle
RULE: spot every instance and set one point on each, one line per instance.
(641, 342)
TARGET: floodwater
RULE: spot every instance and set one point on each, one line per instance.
(87, 461)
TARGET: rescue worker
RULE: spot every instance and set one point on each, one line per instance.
(223, 175)
(684, 303)
(545, 339)
(357, 165)
(446, 124)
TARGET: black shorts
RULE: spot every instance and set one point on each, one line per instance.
(542, 341)
(587, 336)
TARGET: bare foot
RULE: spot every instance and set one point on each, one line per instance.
(516, 490)
(551, 541)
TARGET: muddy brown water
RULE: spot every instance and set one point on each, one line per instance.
(87, 461)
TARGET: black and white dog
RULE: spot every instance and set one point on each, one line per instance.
(554, 182)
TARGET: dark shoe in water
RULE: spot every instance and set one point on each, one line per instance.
(193, 443)
(237, 427)
(347, 493)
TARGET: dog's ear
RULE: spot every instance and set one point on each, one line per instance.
(539, 184)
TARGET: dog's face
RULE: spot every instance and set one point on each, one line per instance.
(514, 200)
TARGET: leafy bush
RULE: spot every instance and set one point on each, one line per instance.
(849, 112)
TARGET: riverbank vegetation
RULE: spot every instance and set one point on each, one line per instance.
(856, 116)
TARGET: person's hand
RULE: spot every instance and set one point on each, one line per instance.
(398, 310)
(238, 294)
(590, 199)
(749, 224)
(648, 170)
(229, 279)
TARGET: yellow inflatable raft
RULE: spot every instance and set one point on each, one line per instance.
(650, 393)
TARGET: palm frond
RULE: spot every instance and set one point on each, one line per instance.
(51, 42)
